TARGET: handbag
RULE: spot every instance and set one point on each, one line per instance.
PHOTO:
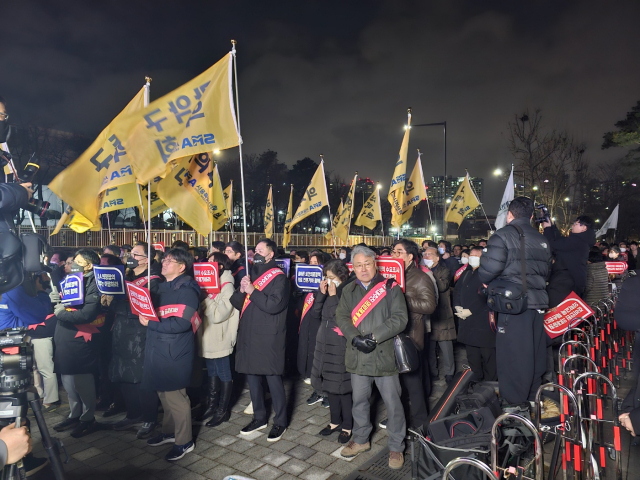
(405, 349)
(504, 296)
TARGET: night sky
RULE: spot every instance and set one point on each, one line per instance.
(336, 77)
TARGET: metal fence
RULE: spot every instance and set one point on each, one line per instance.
(67, 238)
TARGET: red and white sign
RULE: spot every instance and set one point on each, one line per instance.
(158, 247)
(616, 268)
(388, 268)
(140, 302)
(571, 310)
(206, 274)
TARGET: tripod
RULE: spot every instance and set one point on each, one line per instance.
(14, 405)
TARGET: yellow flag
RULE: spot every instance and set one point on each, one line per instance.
(463, 203)
(102, 167)
(371, 212)
(76, 222)
(268, 215)
(414, 191)
(194, 191)
(157, 205)
(344, 222)
(396, 190)
(194, 118)
(314, 198)
(287, 221)
(228, 198)
(334, 224)
(123, 196)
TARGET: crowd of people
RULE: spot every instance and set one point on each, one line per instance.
(260, 328)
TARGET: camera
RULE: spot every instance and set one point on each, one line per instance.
(542, 214)
(16, 360)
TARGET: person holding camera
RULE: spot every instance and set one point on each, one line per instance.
(520, 339)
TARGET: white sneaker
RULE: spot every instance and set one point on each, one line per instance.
(249, 409)
(307, 381)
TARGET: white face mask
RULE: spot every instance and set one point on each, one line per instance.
(623, 249)
(335, 282)
(342, 256)
(464, 260)
(441, 250)
(474, 261)
(427, 262)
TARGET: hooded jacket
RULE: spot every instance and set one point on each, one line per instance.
(573, 251)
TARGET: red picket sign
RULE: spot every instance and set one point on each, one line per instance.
(158, 247)
(206, 274)
(556, 320)
(140, 302)
(616, 268)
(388, 268)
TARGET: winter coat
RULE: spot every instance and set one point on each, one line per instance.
(260, 349)
(219, 330)
(128, 335)
(329, 374)
(170, 348)
(452, 263)
(13, 196)
(420, 295)
(475, 330)
(308, 331)
(384, 321)
(573, 251)
(20, 308)
(73, 354)
(597, 283)
(502, 260)
(443, 326)
(238, 271)
(561, 283)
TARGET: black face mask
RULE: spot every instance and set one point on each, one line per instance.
(132, 262)
(5, 131)
(75, 268)
(259, 259)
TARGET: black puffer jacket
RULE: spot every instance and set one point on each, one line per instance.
(560, 284)
(573, 251)
(475, 330)
(128, 335)
(502, 260)
(597, 283)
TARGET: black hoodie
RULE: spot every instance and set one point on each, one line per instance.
(573, 251)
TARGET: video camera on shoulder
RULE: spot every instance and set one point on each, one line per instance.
(542, 214)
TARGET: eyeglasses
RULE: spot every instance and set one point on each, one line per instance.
(363, 266)
(398, 252)
(138, 255)
(4, 116)
(169, 260)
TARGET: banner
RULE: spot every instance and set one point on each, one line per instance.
(616, 268)
(314, 198)
(396, 190)
(284, 264)
(507, 196)
(206, 275)
(104, 165)
(110, 279)
(195, 118)
(388, 268)
(464, 202)
(72, 290)
(612, 222)
(571, 310)
(414, 191)
(268, 215)
(158, 246)
(308, 277)
(341, 230)
(286, 237)
(140, 302)
(371, 212)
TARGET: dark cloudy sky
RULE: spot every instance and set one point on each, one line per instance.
(336, 77)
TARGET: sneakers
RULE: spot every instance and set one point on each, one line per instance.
(307, 381)
(113, 410)
(383, 423)
(253, 426)
(396, 460)
(352, 449)
(325, 402)
(276, 433)
(344, 437)
(162, 439)
(179, 451)
(249, 409)
(314, 398)
(33, 465)
(127, 423)
(84, 428)
(66, 424)
(146, 429)
(326, 431)
(51, 407)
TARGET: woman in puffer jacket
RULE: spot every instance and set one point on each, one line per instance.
(216, 340)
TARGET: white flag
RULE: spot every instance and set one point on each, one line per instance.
(507, 196)
(612, 222)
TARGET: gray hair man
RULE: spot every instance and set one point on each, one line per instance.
(370, 313)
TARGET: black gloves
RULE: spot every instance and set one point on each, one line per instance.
(365, 344)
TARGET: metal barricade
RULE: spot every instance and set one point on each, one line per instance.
(539, 474)
(456, 462)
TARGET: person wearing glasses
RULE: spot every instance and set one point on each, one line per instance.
(170, 351)
(128, 346)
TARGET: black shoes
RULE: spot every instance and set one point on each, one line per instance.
(113, 410)
(127, 423)
(66, 424)
(326, 431)
(84, 428)
(222, 413)
(314, 398)
(213, 398)
(253, 426)
(344, 437)
(325, 402)
(179, 451)
(146, 430)
(276, 433)
(162, 439)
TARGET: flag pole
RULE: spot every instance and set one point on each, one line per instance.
(147, 88)
(109, 226)
(244, 209)
(481, 204)
(144, 221)
(428, 206)
(353, 201)
(380, 213)
(324, 179)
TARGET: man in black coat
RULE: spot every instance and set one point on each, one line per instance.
(170, 351)
(521, 339)
(573, 251)
(235, 252)
(260, 347)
